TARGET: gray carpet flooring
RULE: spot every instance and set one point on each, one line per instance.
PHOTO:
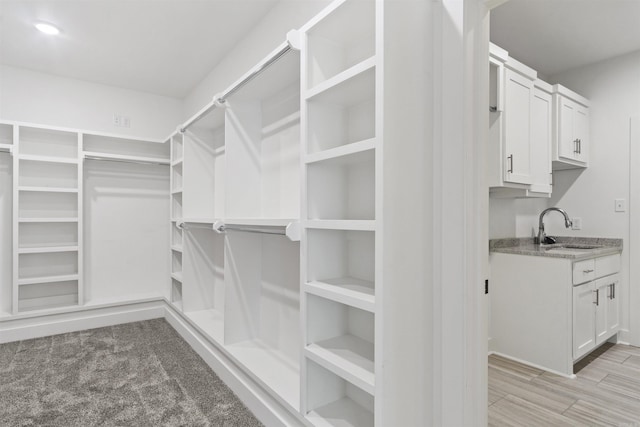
(136, 374)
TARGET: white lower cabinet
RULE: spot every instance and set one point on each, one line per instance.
(595, 314)
(572, 306)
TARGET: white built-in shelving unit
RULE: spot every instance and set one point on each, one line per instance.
(275, 219)
(341, 140)
(176, 232)
(47, 219)
(58, 181)
(235, 194)
(271, 264)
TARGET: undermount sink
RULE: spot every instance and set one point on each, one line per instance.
(580, 246)
(572, 248)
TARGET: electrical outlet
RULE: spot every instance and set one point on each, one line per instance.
(620, 205)
(121, 121)
(576, 223)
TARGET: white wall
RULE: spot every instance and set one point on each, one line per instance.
(613, 87)
(265, 37)
(41, 98)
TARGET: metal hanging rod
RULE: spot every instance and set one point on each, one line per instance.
(221, 99)
(291, 230)
(138, 162)
(188, 225)
(251, 229)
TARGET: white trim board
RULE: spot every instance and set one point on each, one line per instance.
(633, 334)
(25, 328)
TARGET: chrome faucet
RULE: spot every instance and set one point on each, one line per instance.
(542, 237)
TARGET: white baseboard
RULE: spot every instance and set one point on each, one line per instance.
(267, 409)
(533, 365)
(25, 328)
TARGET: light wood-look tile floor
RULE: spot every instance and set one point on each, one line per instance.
(606, 391)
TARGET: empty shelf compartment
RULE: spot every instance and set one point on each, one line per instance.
(340, 338)
(342, 188)
(343, 114)
(333, 401)
(48, 143)
(341, 40)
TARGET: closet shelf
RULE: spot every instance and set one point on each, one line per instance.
(93, 155)
(347, 356)
(6, 148)
(339, 224)
(176, 248)
(47, 159)
(345, 290)
(71, 219)
(48, 249)
(357, 89)
(343, 151)
(344, 76)
(343, 412)
(270, 367)
(48, 279)
(177, 276)
(177, 191)
(49, 189)
(209, 322)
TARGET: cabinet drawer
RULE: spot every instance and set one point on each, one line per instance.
(607, 265)
(584, 271)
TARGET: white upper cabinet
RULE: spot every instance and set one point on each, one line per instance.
(534, 128)
(519, 129)
(571, 130)
(541, 127)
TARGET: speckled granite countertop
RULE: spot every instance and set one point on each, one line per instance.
(526, 246)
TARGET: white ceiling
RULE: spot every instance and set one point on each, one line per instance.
(553, 36)
(167, 46)
(163, 47)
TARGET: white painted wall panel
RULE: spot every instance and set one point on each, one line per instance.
(46, 99)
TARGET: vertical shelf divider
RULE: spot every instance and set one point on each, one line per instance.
(80, 166)
(15, 201)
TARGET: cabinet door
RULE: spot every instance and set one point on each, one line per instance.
(613, 306)
(517, 134)
(541, 141)
(581, 132)
(602, 292)
(567, 142)
(583, 319)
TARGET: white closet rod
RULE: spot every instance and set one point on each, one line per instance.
(223, 98)
(251, 229)
(139, 162)
(188, 225)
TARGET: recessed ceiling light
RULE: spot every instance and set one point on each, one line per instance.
(47, 28)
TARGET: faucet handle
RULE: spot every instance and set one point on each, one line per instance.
(548, 240)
